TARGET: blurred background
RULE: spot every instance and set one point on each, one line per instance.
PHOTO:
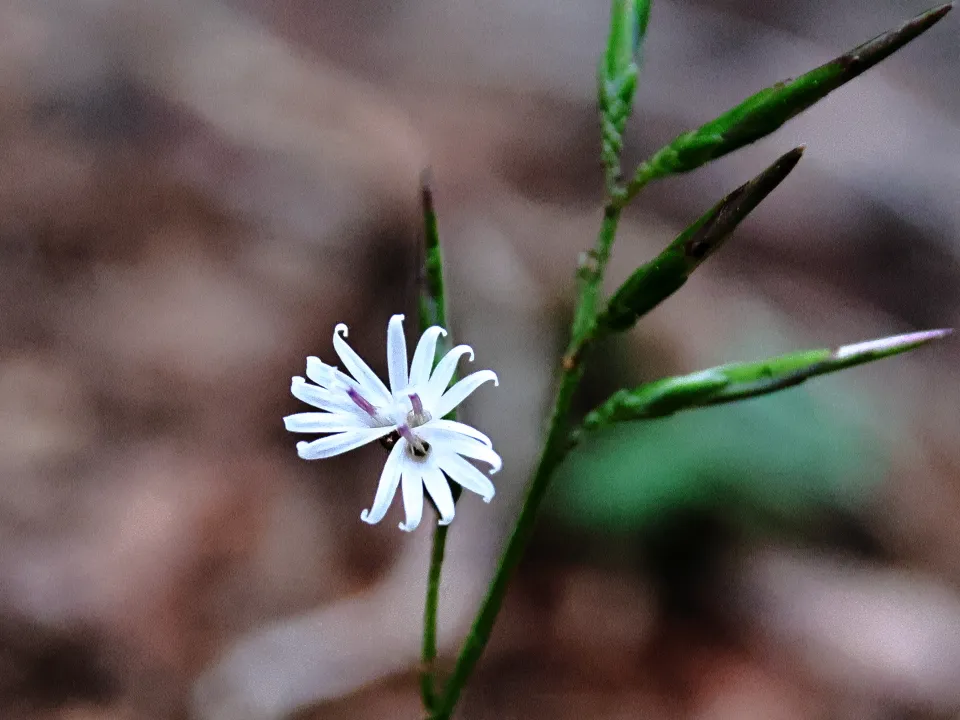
(193, 194)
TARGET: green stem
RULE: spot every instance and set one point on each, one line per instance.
(590, 273)
(590, 277)
(643, 175)
(432, 312)
(428, 654)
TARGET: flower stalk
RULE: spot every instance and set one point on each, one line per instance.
(432, 305)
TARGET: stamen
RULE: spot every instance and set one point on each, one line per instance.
(362, 402)
(417, 446)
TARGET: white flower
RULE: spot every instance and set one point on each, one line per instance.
(407, 416)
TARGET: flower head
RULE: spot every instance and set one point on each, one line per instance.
(407, 417)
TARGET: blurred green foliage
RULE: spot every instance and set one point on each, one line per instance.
(779, 456)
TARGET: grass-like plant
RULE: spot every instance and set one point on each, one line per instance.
(414, 418)
(595, 317)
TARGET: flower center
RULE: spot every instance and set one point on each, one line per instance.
(420, 453)
(418, 448)
(417, 416)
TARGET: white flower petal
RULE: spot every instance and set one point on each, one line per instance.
(319, 372)
(329, 377)
(458, 427)
(449, 441)
(461, 391)
(396, 354)
(321, 398)
(424, 356)
(466, 475)
(389, 481)
(337, 444)
(439, 490)
(373, 388)
(311, 422)
(412, 486)
(442, 375)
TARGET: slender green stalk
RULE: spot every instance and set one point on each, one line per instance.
(432, 312)
(428, 653)
(590, 273)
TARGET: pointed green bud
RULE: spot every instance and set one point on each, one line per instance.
(628, 27)
(765, 112)
(617, 79)
(654, 282)
(740, 381)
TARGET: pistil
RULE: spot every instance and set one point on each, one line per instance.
(417, 403)
(417, 416)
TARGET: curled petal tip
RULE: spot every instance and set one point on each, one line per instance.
(487, 498)
(341, 328)
(445, 521)
(398, 316)
(403, 526)
(297, 380)
(301, 448)
(365, 516)
(462, 350)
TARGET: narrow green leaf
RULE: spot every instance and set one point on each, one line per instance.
(432, 302)
(652, 283)
(739, 381)
(770, 108)
(617, 80)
